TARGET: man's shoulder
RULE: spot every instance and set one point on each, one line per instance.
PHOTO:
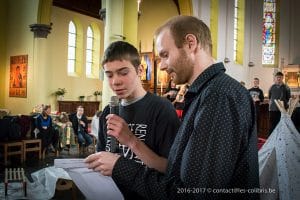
(72, 116)
(228, 85)
(157, 100)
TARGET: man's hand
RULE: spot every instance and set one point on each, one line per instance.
(82, 123)
(103, 162)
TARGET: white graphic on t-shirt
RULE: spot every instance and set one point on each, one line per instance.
(140, 131)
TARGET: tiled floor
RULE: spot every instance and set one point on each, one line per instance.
(33, 164)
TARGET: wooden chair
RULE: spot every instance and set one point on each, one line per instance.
(12, 148)
(89, 149)
(32, 145)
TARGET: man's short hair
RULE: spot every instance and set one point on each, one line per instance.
(80, 106)
(279, 74)
(180, 26)
(121, 50)
(257, 79)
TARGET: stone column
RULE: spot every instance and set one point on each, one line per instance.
(120, 24)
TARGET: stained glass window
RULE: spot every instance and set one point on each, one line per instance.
(89, 51)
(71, 47)
(269, 33)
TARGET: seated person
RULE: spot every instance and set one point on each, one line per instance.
(80, 126)
(95, 124)
(45, 130)
(171, 91)
(65, 130)
(179, 100)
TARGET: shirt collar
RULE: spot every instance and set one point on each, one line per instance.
(204, 77)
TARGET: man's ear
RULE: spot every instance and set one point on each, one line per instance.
(191, 41)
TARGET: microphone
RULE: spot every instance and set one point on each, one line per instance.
(114, 109)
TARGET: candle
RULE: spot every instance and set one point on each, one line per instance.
(68, 135)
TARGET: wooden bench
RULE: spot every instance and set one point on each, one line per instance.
(15, 175)
(12, 148)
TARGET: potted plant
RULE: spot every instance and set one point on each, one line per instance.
(60, 92)
(81, 98)
(96, 94)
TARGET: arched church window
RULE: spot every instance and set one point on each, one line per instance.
(71, 47)
(269, 36)
(89, 51)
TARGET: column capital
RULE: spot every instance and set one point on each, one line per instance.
(102, 14)
(40, 30)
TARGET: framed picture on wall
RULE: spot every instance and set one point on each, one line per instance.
(292, 76)
(18, 76)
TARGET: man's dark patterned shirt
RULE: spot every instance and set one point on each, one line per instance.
(214, 155)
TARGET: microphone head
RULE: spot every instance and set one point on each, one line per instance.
(114, 105)
(114, 101)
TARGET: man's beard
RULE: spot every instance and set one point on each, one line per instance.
(184, 68)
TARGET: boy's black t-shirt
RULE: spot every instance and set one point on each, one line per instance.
(152, 119)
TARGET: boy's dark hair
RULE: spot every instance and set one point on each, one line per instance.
(279, 74)
(121, 50)
(256, 79)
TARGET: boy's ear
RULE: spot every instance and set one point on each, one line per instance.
(140, 70)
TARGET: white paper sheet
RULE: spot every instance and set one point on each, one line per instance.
(92, 184)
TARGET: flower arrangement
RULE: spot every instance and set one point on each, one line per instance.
(96, 93)
(81, 98)
(60, 92)
(38, 108)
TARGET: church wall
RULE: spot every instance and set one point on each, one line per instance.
(47, 58)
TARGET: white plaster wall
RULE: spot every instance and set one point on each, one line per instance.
(154, 14)
(19, 42)
(58, 52)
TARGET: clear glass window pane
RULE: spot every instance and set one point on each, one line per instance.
(89, 43)
(72, 28)
(71, 66)
(89, 55)
(72, 39)
(71, 53)
(71, 47)
(89, 32)
(88, 68)
(89, 50)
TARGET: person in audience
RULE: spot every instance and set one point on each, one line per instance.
(80, 127)
(95, 124)
(66, 132)
(179, 100)
(258, 97)
(171, 91)
(279, 91)
(243, 83)
(45, 130)
(215, 147)
(147, 119)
